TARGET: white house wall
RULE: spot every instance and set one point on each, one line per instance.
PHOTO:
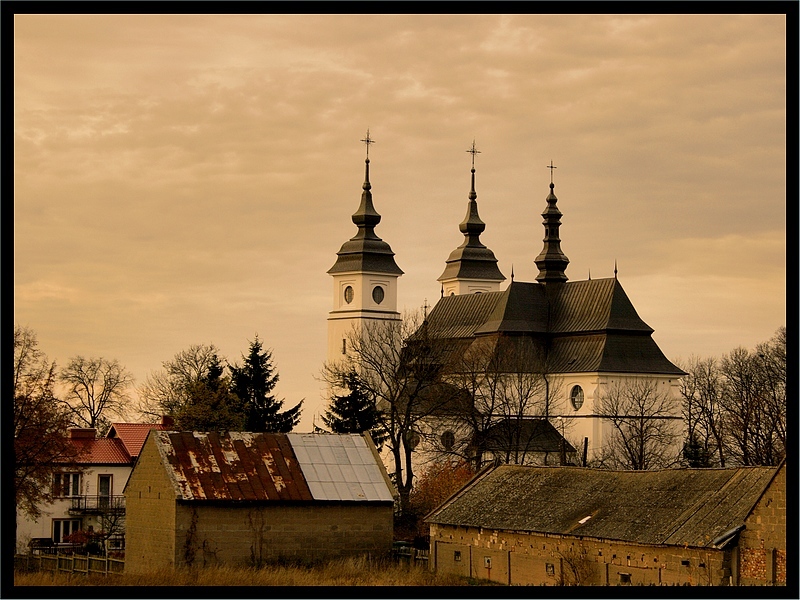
(28, 528)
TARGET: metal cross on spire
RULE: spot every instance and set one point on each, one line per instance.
(473, 151)
(368, 140)
(551, 167)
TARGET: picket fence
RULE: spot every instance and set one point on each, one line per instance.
(70, 563)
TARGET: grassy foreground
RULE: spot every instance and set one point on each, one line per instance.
(345, 572)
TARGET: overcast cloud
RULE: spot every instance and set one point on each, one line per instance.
(189, 179)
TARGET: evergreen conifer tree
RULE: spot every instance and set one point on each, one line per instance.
(354, 412)
(253, 383)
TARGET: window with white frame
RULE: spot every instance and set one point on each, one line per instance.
(64, 527)
(66, 484)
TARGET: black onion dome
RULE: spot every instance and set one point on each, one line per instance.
(472, 260)
(366, 251)
(552, 262)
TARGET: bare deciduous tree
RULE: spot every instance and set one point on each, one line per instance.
(40, 425)
(504, 386)
(755, 412)
(96, 388)
(166, 391)
(644, 426)
(701, 390)
(397, 364)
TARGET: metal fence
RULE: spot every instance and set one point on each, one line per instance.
(70, 563)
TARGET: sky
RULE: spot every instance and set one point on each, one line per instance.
(188, 179)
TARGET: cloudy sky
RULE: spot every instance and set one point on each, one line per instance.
(189, 179)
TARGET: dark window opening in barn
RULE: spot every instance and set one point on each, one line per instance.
(457, 555)
(624, 578)
(684, 563)
(550, 568)
(702, 565)
(599, 553)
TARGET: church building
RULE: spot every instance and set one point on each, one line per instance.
(575, 342)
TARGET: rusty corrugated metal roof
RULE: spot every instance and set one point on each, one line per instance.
(245, 466)
(671, 506)
(232, 466)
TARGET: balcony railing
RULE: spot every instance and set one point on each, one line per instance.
(96, 504)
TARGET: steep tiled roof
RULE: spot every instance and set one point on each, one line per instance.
(133, 435)
(242, 466)
(677, 506)
(104, 451)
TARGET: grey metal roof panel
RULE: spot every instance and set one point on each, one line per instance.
(340, 467)
(676, 506)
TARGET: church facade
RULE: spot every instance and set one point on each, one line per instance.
(570, 360)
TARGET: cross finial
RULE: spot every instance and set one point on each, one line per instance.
(473, 151)
(368, 140)
(551, 167)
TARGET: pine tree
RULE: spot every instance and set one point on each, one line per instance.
(354, 412)
(253, 383)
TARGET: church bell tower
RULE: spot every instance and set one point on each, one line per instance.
(364, 277)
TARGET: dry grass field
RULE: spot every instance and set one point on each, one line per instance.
(348, 572)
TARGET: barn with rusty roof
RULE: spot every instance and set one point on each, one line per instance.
(552, 525)
(250, 498)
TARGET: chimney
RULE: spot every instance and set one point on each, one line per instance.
(82, 433)
(167, 421)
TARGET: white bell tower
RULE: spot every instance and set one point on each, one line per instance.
(364, 277)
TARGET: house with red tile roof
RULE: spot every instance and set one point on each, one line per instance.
(88, 492)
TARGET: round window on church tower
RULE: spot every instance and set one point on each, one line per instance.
(576, 396)
(348, 294)
(377, 294)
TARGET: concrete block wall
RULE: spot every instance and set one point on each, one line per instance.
(762, 544)
(253, 534)
(522, 558)
(150, 515)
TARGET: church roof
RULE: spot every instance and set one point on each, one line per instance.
(672, 506)
(581, 326)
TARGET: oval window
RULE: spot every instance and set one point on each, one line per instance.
(576, 396)
(412, 439)
(377, 294)
(448, 440)
(348, 294)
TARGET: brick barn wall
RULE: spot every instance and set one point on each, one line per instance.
(150, 514)
(537, 559)
(211, 534)
(762, 544)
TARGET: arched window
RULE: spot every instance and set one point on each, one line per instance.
(576, 397)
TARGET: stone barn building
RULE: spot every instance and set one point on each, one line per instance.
(524, 525)
(250, 498)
